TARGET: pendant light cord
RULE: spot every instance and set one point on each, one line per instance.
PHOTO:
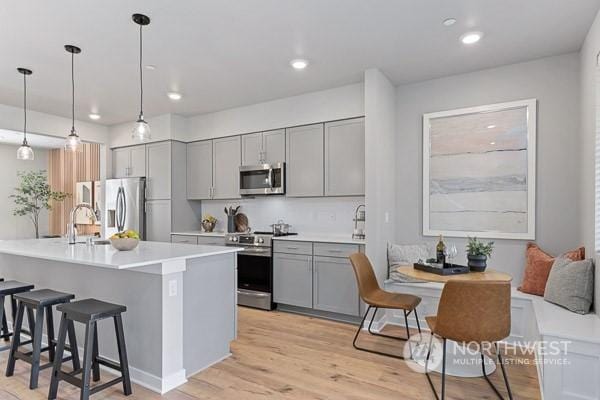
(25, 108)
(141, 78)
(72, 93)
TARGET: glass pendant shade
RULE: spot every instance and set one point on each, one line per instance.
(141, 130)
(25, 152)
(73, 142)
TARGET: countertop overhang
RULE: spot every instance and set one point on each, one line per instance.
(105, 256)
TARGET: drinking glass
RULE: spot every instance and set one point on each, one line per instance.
(452, 252)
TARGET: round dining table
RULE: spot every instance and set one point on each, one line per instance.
(459, 362)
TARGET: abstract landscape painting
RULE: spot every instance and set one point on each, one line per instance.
(479, 171)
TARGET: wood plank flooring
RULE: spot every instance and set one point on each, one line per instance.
(286, 356)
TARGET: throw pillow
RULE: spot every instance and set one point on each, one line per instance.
(538, 266)
(571, 284)
(406, 254)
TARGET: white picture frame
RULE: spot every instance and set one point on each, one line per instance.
(448, 216)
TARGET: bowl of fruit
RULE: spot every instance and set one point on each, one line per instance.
(125, 241)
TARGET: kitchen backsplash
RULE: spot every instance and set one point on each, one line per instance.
(331, 215)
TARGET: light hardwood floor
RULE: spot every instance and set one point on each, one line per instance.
(285, 356)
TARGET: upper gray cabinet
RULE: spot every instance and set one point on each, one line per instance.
(345, 158)
(226, 168)
(304, 157)
(129, 162)
(158, 181)
(263, 147)
(200, 170)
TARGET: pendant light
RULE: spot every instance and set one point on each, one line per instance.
(141, 130)
(25, 152)
(73, 141)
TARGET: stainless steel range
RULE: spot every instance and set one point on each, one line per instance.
(255, 268)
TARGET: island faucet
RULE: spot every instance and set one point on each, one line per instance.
(71, 231)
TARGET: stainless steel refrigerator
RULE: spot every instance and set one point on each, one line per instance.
(124, 206)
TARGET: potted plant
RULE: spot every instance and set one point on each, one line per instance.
(478, 253)
(208, 223)
(33, 195)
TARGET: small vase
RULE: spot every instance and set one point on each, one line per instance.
(208, 226)
(477, 263)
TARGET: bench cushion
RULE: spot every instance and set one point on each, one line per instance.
(571, 285)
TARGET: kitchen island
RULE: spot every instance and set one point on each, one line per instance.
(181, 299)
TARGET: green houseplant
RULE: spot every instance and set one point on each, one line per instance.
(478, 253)
(33, 195)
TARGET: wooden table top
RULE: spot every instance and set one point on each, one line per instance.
(487, 275)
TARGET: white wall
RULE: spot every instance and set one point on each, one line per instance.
(326, 105)
(380, 168)
(13, 227)
(589, 111)
(306, 215)
(554, 82)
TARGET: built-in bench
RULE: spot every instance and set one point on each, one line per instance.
(567, 344)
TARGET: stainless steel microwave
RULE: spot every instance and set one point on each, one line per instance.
(262, 179)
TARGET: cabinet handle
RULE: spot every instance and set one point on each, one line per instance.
(291, 248)
(334, 251)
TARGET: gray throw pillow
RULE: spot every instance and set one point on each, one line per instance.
(571, 284)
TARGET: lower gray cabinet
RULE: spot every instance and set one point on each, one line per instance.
(293, 279)
(334, 286)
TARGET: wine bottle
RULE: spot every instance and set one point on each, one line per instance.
(440, 250)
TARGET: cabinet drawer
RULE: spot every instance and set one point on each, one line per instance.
(292, 247)
(189, 239)
(211, 240)
(335, 249)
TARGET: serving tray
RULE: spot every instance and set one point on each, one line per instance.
(449, 269)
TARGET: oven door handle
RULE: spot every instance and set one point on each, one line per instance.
(252, 293)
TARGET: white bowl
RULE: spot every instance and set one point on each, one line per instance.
(124, 244)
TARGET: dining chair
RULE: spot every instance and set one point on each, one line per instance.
(376, 298)
(471, 312)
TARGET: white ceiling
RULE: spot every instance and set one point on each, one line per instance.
(226, 53)
(36, 141)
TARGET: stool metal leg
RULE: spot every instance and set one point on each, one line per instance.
(60, 348)
(73, 345)
(87, 361)
(10, 366)
(95, 365)
(123, 355)
(50, 333)
(37, 347)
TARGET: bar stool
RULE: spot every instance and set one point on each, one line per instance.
(89, 312)
(11, 288)
(40, 301)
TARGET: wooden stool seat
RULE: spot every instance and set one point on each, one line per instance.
(39, 302)
(90, 312)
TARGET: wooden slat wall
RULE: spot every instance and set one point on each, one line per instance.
(65, 170)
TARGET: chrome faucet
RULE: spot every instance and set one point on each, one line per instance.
(71, 231)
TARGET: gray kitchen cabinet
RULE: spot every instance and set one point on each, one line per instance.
(158, 220)
(187, 239)
(304, 157)
(252, 149)
(345, 158)
(293, 279)
(158, 171)
(199, 170)
(334, 286)
(226, 167)
(263, 147)
(129, 162)
(211, 240)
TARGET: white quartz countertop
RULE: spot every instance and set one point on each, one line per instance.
(200, 233)
(321, 238)
(147, 253)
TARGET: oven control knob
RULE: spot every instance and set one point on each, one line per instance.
(261, 240)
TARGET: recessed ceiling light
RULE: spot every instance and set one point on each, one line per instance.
(471, 37)
(151, 67)
(299, 63)
(491, 126)
(174, 95)
(492, 143)
(449, 21)
(94, 116)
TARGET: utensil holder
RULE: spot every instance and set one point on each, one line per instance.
(230, 224)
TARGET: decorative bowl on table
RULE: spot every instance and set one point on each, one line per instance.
(208, 226)
(124, 244)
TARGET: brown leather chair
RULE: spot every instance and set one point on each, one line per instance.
(376, 298)
(472, 312)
